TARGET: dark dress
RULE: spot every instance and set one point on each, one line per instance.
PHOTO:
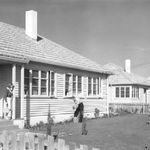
(79, 111)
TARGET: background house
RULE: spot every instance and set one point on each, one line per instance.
(47, 75)
(126, 89)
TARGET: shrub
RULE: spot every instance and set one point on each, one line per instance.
(96, 113)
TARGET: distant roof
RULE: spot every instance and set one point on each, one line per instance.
(15, 45)
(122, 77)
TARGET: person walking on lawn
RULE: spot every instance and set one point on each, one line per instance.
(8, 100)
(79, 109)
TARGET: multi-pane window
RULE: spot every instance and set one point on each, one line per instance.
(135, 91)
(26, 81)
(52, 83)
(35, 82)
(73, 85)
(122, 92)
(39, 82)
(93, 86)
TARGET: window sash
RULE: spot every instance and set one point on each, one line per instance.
(52, 84)
(79, 84)
(36, 83)
(117, 92)
(94, 86)
(122, 92)
(68, 88)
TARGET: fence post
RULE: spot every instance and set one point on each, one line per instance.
(4, 140)
(95, 148)
(72, 146)
(67, 147)
(13, 140)
(50, 143)
(83, 147)
(31, 141)
(61, 144)
(21, 141)
(40, 142)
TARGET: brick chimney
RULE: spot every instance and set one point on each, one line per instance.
(31, 24)
(128, 65)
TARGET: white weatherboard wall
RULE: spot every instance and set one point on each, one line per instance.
(61, 108)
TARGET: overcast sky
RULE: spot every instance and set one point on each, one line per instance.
(102, 30)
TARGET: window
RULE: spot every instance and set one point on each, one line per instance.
(79, 84)
(122, 92)
(52, 83)
(117, 91)
(44, 81)
(93, 86)
(127, 92)
(135, 92)
(89, 86)
(39, 82)
(26, 81)
(73, 85)
(35, 82)
(68, 84)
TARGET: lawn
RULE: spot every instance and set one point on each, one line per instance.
(130, 132)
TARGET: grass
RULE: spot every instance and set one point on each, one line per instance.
(130, 132)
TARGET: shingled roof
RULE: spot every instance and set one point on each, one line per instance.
(15, 45)
(121, 77)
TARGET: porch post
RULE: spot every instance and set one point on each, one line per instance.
(22, 92)
(107, 97)
(14, 96)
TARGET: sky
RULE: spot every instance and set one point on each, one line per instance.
(105, 31)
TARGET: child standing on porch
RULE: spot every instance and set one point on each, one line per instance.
(8, 100)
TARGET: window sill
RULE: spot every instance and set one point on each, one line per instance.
(93, 97)
(41, 96)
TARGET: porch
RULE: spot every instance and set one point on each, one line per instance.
(14, 73)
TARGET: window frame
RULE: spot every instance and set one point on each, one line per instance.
(39, 87)
(135, 92)
(50, 84)
(74, 80)
(95, 85)
(122, 92)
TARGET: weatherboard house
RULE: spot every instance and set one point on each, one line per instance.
(127, 90)
(46, 75)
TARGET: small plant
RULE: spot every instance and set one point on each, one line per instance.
(84, 127)
(49, 123)
(96, 114)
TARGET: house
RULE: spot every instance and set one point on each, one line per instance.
(46, 75)
(127, 90)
